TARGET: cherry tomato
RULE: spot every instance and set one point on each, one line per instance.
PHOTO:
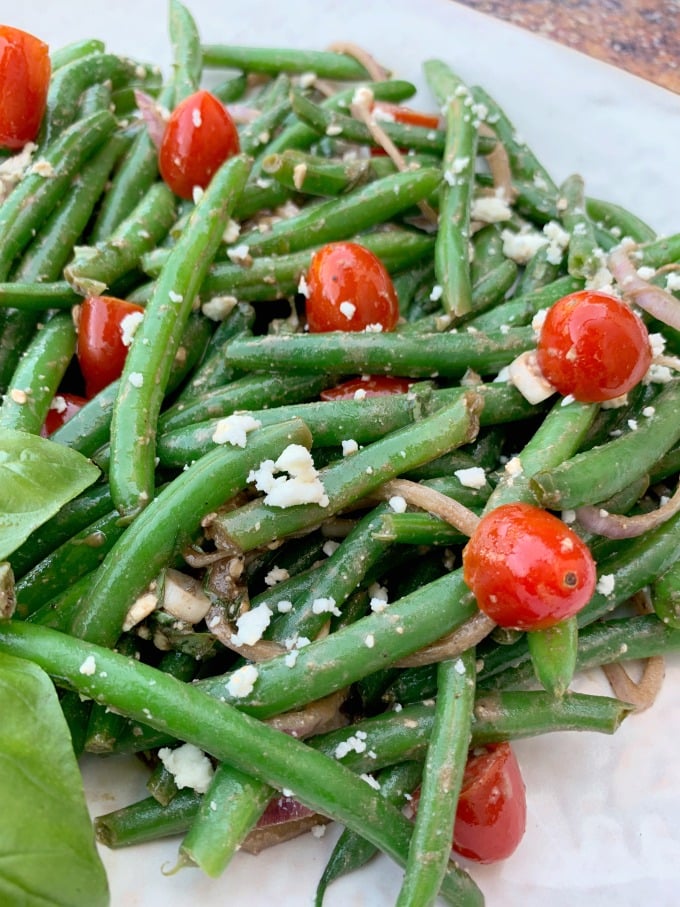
(492, 807)
(406, 115)
(24, 79)
(63, 408)
(349, 289)
(593, 346)
(527, 569)
(198, 139)
(372, 385)
(104, 336)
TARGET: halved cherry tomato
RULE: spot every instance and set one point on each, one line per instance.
(199, 137)
(526, 568)
(103, 339)
(24, 79)
(406, 115)
(372, 385)
(63, 408)
(349, 289)
(492, 807)
(593, 346)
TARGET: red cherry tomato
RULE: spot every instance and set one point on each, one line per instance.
(372, 385)
(24, 79)
(527, 569)
(492, 808)
(63, 408)
(349, 289)
(198, 139)
(593, 346)
(406, 115)
(103, 339)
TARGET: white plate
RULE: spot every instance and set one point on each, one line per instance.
(604, 813)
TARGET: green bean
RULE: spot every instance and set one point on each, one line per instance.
(614, 217)
(315, 175)
(487, 245)
(601, 472)
(186, 51)
(659, 252)
(75, 51)
(158, 337)
(167, 524)
(418, 355)
(38, 376)
(523, 162)
(63, 159)
(666, 596)
(231, 89)
(351, 851)
(95, 98)
(71, 80)
(452, 259)
(94, 268)
(271, 61)
(250, 746)
(255, 137)
(147, 820)
(37, 296)
(252, 391)
(582, 259)
(521, 309)
(541, 270)
(554, 654)
(430, 849)
(418, 529)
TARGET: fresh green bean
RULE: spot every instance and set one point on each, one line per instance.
(148, 362)
(614, 217)
(186, 51)
(37, 296)
(75, 51)
(554, 655)
(271, 61)
(582, 260)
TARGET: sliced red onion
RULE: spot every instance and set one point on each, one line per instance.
(653, 300)
(152, 114)
(242, 114)
(616, 526)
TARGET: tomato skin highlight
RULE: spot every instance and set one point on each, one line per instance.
(199, 137)
(593, 346)
(100, 348)
(24, 80)
(526, 568)
(492, 809)
(371, 385)
(64, 407)
(349, 289)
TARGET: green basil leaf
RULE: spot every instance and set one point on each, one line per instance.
(48, 856)
(37, 477)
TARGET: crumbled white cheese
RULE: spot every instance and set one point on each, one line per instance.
(136, 379)
(18, 396)
(242, 681)
(673, 281)
(369, 640)
(189, 766)
(325, 606)
(375, 328)
(437, 292)
(569, 516)
(648, 412)
(370, 780)
(490, 209)
(128, 326)
(514, 467)
(58, 404)
(471, 477)
(89, 666)
(354, 744)
(43, 168)
(606, 583)
(330, 546)
(197, 193)
(234, 429)
(276, 575)
(303, 287)
(360, 394)
(318, 831)
(301, 486)
(525, 373)
(347, 309)
(397, 503)
(521, 247)
(219, 307)
(239, 254)
(175, 297)
(299, 174)
(646, 273)
(251, 625)
(232, 231)
(284, 607)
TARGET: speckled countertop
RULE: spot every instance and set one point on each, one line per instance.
(640, 36)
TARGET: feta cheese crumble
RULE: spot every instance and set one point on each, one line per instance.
(251, 625)
(89, 666)
(472, 477)
(128, 326)
(242, 681)
(189, 766)
(234, 429)
(301, 486)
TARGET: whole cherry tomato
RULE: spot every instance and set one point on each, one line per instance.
(24, 79)
(349, 289)
(371, 385)
(526, 568)
(63, 408)
(199, 137)
(105, 329)
(593, 346)
(492, 808)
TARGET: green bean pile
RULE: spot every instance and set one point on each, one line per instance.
(371, 632)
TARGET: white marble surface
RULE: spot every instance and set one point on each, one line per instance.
(604, 813)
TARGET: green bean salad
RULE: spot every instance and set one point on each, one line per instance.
(340, 448)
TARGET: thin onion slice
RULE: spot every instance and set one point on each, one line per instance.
(654, 300)
(434, 502)
(153, 115)
(376, 72)
(452, 645)
(642, 694)
(617, 526)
